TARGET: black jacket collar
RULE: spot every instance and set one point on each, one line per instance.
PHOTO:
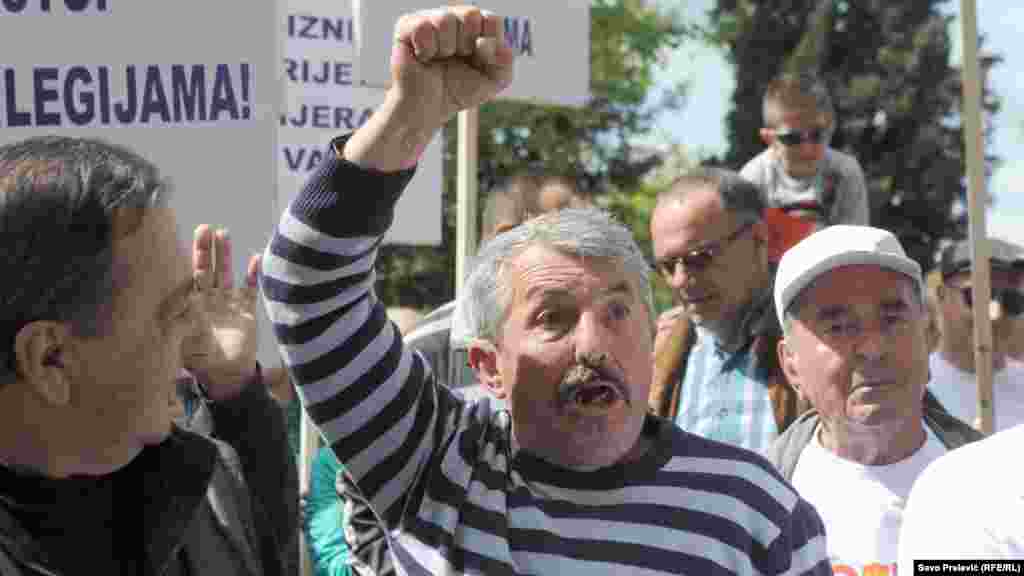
(173, 479)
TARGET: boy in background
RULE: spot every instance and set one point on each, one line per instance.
(806, 184)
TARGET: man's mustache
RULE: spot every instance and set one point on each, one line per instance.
(588, 371)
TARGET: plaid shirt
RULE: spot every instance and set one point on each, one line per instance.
(721, 400)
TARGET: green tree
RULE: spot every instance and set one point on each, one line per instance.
(897, 98)
(591, 144)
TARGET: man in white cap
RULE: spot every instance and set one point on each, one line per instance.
(851, 305)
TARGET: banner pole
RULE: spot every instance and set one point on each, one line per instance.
(467, 192)
(976, 203)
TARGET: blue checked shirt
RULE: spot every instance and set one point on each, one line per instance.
(721, 400)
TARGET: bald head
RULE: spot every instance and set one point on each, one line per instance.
(728, 190)
(524, 196)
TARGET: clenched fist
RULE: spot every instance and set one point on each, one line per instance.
(443, 61)
(450, 59)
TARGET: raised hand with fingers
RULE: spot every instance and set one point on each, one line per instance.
(221, 352)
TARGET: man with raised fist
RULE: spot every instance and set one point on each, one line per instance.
(575, 476)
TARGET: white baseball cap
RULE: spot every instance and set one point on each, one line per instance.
(834, 247)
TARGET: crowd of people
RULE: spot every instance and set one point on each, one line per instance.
(808, 406)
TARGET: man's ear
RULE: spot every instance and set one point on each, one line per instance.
(483, 358)
(767, 136)
(787, 360)
(42, 356)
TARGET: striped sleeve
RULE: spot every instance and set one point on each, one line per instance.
(371, 399)
(803, 546)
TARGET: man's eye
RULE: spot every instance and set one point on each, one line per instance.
(552, 319)
(548, 317)
(837, 329)
(618, 310)
(893, 319)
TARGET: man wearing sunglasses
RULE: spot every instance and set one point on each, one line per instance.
(716, 373)
(952, 364)
(798, 171)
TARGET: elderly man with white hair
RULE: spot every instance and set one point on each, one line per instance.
(851, 304)
(574, 477)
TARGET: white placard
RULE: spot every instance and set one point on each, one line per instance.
(192, 85)
(322, 102)
(551, 40)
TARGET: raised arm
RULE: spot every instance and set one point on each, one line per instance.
(373, 400)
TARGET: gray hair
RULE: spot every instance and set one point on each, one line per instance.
(582, 232)
(739, 196)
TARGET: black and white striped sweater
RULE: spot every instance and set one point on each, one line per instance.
(440, 472)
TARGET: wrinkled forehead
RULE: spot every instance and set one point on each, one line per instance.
(858, 286)
(697, 220)
(542, 268)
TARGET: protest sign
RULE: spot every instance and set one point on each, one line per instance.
(551, 41)
(191, 85)
(322, 102)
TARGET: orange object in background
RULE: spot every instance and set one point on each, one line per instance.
(789, 225)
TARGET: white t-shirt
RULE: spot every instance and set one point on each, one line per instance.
(958, 392)
(861, 506)
(968, 504)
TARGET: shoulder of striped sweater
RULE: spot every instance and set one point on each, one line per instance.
(735, 461)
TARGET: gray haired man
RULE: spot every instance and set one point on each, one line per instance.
(574, 477)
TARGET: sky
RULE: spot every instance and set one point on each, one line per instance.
(700, 125)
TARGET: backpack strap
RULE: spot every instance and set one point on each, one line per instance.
(951, 431)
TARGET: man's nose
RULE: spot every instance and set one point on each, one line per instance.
(591, 335)
(681, 276)
(873, 342)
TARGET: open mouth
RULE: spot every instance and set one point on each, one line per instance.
(593, 398)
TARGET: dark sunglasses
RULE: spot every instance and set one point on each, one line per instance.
(699, 258)
(1011, 300)
(797, 137)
